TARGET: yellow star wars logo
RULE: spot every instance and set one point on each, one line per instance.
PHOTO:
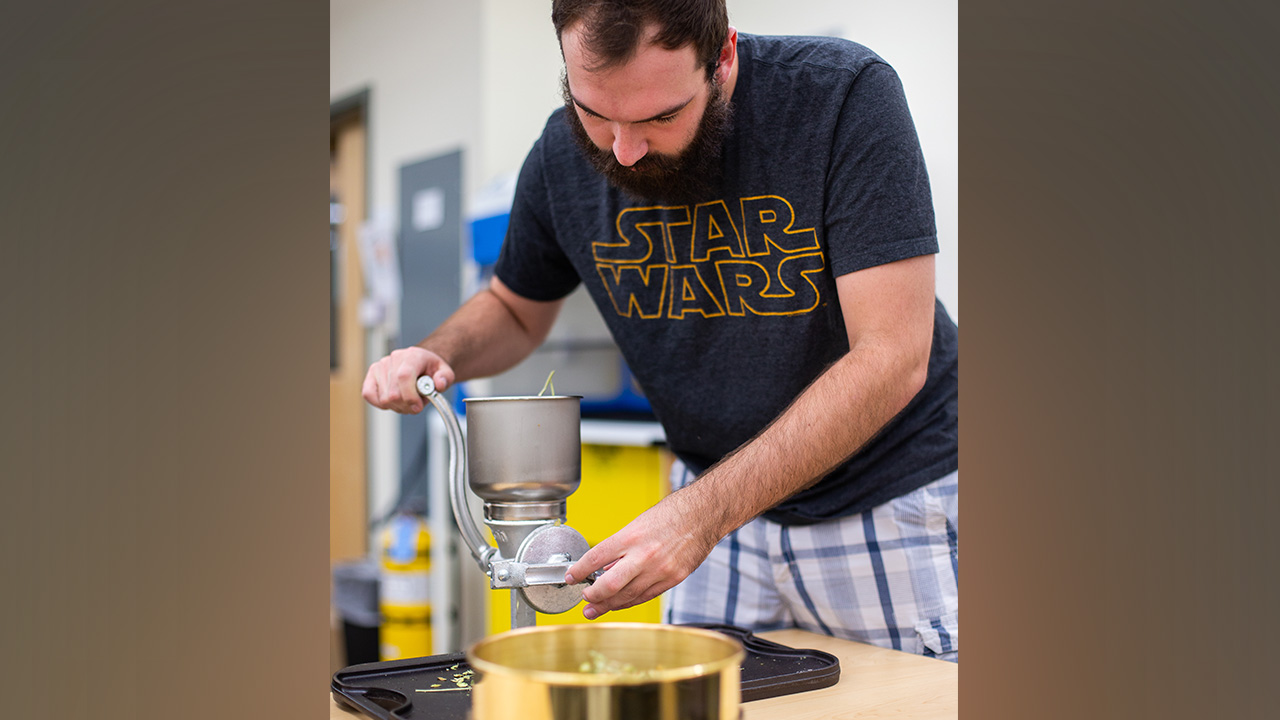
(670, 262)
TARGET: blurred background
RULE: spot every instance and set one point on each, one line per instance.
(433, 106)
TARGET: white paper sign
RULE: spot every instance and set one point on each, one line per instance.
(428, 209)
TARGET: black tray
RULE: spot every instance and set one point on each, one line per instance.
(391, 690)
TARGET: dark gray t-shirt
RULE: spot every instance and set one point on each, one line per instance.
(727, 309)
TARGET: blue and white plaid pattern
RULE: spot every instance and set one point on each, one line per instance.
(888, 576)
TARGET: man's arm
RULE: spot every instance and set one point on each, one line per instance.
(888, 314)
(490, 333)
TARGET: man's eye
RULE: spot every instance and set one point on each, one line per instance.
(666, 119)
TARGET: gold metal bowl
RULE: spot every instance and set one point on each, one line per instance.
(671, 672)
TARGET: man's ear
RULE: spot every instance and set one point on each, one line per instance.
(724, 63)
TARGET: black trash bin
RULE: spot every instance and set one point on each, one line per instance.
(355, 595)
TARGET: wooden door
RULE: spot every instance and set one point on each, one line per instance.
(348, 494)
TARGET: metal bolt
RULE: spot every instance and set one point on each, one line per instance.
(426, 386)
(503, 575)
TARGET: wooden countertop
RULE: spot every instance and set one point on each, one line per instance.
(874, 682)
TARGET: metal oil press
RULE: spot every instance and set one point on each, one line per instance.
(524, 461)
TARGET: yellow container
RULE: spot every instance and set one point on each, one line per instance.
(404, 593)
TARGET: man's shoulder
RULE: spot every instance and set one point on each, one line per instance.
(808, 51)
(554, 150)
(556, 130)
(555, 166)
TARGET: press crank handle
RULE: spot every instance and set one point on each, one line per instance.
(480, 548)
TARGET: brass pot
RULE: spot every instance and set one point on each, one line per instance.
(654, 672)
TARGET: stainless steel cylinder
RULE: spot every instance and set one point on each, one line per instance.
(524, 449)
(606, 671)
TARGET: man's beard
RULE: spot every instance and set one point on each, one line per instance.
(684, 179)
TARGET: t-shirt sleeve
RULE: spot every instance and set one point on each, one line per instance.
(531, 261)
(879, 208)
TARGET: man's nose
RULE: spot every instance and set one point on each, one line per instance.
(628, 146)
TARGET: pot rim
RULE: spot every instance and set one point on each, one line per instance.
(558, 677)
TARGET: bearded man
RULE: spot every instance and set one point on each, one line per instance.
(752, 216)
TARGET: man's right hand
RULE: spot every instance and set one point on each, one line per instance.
(391, 383)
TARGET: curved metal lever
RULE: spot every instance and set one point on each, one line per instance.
(480, 548)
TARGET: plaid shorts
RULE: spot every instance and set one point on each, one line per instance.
(888, 576)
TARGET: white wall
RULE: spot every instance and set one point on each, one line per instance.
(520, 73)
(419, 60)
(520, 80)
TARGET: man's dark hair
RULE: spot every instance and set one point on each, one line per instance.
(613, 29)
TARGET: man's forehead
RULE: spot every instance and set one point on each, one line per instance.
(580, 59)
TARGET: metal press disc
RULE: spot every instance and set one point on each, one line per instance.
(551, 544)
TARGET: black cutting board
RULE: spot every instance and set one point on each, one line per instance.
(392, 690)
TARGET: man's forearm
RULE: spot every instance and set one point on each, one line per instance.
(834, 417)
(482, 338)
